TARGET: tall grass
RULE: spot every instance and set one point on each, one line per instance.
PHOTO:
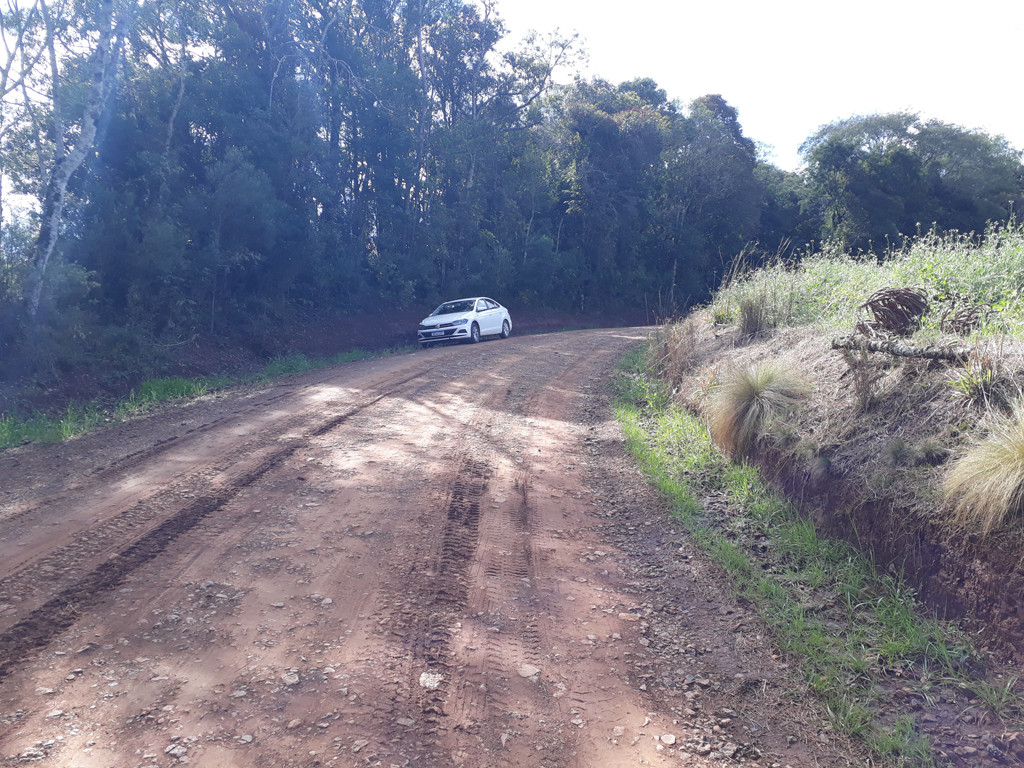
(747, 401)
(985, 485)
(825, 288)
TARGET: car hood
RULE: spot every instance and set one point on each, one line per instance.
(439, 319)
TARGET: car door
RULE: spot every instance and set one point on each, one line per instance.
(486, 317)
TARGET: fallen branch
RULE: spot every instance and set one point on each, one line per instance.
(900, 348)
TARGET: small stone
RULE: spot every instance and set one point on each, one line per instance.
(668, 738)
(359, 744)
(406, 721)
(289, 678)
(293, 724)
(618, 731)
(277, 605)
(176, 750)
(629, 616)
(54, 713)
(239, 693)
(430, 680)
(45, 691)
(528, 670)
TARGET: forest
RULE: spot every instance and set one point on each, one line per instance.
(181, 168)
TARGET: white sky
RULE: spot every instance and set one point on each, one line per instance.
(790, 66)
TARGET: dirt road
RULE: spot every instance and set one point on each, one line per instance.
(438, 559)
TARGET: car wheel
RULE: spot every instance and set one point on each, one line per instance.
(424, 344)
(506, 329)
(474, 333)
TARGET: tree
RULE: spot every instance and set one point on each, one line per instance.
(877, 178)
(100, 68)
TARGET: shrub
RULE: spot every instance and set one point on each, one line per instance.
(985, 485)
(748, 401)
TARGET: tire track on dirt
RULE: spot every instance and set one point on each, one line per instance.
(113, 469)
(153, 533)
(465, 609)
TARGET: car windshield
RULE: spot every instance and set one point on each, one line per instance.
(451, 307)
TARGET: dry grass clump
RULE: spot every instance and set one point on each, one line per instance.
(985, 486)
(982, 380)
(866, 376)
(677, 350)
(748, 400)
(755, 317)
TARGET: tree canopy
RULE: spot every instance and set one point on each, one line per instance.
(190, 167)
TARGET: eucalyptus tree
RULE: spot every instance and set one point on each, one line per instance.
(87, 78)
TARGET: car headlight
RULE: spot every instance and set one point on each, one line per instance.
(463, 321)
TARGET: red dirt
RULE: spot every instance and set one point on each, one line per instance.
(437, 559)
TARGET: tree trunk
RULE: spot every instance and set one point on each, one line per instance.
(901, 348)
(52, 213)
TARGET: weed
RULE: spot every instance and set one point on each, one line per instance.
(78, 419)
(980, 381)
(677, 350)
(899, 452)
(293, 362)
(159, 390)
(901, 745)
(730, 557)
(825, 288)
(985, 485)
(721, 315)
(754, 317)
(1003, 700)
(747, 401)
(865, 375)
(848, 715)
(932, 451)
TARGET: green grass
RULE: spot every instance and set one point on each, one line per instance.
(855, 634)
(79, 419)
(825, 288)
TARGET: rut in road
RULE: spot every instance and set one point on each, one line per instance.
(78, 574)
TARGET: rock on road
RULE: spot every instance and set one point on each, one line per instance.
(437, 559)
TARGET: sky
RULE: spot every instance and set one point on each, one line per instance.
(792, 66)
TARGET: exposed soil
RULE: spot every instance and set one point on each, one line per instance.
(865, 476)
(862, 475)
(437, 559)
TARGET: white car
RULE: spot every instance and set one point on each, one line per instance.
(465, 320)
